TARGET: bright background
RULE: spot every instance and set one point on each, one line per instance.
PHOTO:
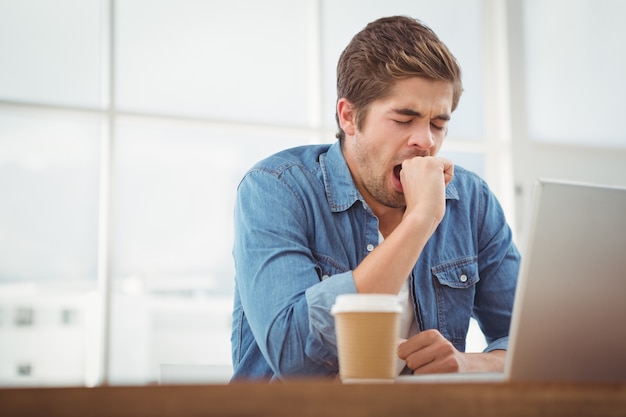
(126, 125)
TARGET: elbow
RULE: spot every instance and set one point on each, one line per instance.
(292, 354)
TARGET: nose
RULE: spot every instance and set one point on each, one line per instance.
(422, 137)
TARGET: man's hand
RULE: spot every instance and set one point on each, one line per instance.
(424, 180)
(429, 352)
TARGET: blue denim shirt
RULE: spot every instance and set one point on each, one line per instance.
(301, 227)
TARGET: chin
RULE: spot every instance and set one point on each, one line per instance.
(395, 200)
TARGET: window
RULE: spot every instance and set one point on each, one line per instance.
(24, 317)
(566, 76)
(69, 317)
(574, 61)
(24, 369)
(124, 130)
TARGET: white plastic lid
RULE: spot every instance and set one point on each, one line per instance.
(386, 303)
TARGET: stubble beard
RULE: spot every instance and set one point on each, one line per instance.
(377, 189)
(376, 185)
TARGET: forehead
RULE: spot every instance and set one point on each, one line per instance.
(420, 95)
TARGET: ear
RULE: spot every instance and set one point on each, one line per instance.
(346, 115)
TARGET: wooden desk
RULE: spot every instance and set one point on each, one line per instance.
(319, 399)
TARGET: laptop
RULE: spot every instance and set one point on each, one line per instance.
(570, 301)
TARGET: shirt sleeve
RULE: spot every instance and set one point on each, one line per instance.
(286, 302)
(499, 262)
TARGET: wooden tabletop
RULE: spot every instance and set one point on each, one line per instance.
(319, 399)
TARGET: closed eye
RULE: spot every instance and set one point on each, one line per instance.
(437, 127)
(403, 122)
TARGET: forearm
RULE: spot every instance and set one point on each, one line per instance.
(386, 268)
(424, 181)
(485, 361)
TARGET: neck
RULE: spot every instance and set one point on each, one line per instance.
(388, 219)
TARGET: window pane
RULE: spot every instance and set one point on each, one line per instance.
(225, 60)
(38, 347)
(474, 161)
(51, 51)
(49, 194)
(48, 245)
(575, 65)
(457, 22)
(174, 196)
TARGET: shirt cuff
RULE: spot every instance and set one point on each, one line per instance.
(320, 299)
(498, 344)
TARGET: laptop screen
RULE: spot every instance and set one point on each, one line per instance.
(570, 300)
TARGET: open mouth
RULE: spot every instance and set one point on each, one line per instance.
(397, 184)
(396, 171)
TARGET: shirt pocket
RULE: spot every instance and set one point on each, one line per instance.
(455, 288)
(459, 273)
(325, 266)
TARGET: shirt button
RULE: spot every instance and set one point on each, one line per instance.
(325, 277)
(370, 247)
(463, 278)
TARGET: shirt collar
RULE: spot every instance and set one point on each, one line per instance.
(341, 192)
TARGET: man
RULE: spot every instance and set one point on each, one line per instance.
(376, 212)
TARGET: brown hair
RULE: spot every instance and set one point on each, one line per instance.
(387, 50)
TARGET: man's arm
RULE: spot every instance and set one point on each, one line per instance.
(285, 303)
(424, 180)
(498, 258)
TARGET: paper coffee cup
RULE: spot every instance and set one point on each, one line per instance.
(367, 327)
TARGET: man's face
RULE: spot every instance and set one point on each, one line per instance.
(411, 122)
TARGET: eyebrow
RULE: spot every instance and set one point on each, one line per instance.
(414, 113)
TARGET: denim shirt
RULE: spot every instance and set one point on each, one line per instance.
(301, 227)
